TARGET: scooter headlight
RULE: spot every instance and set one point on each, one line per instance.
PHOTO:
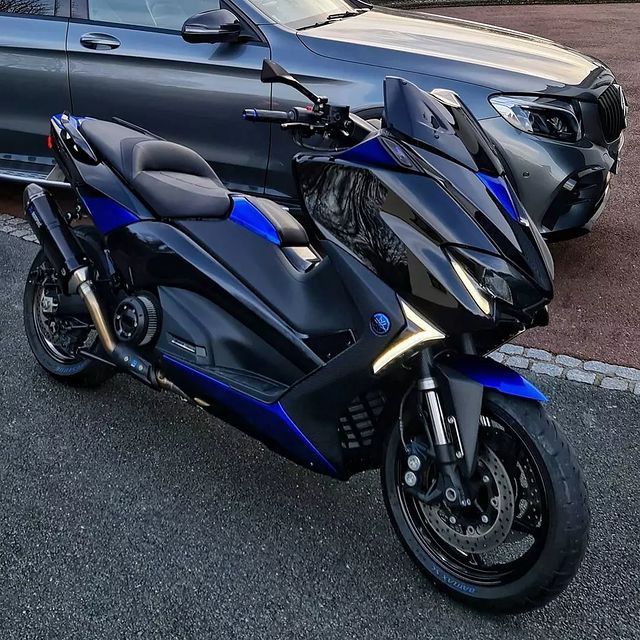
(540, 116)
(474, 288)
(493, 278)
(497, 286)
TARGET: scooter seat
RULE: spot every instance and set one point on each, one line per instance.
(174, 181)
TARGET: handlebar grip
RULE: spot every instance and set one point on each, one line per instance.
(262, 115)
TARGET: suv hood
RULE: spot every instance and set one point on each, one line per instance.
(499, 59)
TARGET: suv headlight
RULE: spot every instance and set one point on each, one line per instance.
(540, 115)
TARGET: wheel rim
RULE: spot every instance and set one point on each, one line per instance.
(509, 554)
(53, 331)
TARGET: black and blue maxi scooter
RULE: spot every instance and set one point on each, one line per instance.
(352, 338)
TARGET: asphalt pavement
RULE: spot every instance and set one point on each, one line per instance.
(125, 514)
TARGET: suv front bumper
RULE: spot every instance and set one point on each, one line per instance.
(564, 186)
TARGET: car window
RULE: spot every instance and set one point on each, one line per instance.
(161, 14)
(29, 7)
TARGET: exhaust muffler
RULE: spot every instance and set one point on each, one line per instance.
(66, 256)
(56, 238)
(72, 268)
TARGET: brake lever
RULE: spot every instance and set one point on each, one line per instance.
(301, 125)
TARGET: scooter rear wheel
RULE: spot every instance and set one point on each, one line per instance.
(521, 542)
(54, 341)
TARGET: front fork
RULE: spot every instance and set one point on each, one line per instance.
(445, 446)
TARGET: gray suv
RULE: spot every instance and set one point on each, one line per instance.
(186, 69)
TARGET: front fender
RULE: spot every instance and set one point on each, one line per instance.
(463, 381)
(493, 375)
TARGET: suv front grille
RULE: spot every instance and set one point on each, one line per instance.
(611, 106)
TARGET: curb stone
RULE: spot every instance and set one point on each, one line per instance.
(19, 228)
(591, 372)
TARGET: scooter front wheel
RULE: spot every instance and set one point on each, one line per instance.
(522, 540)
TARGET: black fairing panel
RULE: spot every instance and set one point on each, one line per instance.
(361, 212)
(321, 399)
(400, 225)
(493, 231)
(313, 303)
(197, 331)
(154, 254)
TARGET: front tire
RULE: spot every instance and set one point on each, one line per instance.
(57, 350)
(530, 457)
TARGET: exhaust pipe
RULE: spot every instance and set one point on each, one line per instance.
(56, 239)
(71, 266)
(66, 256)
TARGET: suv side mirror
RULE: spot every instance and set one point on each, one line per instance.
(212, 27)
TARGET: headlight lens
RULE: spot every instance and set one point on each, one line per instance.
(496, 278)
(541, 116)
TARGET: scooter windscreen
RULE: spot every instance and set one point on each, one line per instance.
(439, 122)
(441, 125)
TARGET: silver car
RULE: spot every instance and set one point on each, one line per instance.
(186, 69)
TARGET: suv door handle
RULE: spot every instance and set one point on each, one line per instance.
(99, 41)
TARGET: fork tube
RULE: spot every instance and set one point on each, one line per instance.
(430, 389)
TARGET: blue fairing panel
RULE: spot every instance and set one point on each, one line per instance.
(370, 152)
(500, 192)
(250, 217)
(107, 214)
(493, 375)
(267, 420)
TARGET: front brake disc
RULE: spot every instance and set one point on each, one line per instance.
(478, 537)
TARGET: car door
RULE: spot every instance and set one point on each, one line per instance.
(128, 60)
(33, 81)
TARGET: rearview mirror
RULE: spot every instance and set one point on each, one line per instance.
(273, 73)
(212, 27)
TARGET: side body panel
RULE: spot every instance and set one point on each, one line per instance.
(34, 81)
(192, 94)
(313, 303)
(152, 254)
(248, 364)
(268, 422)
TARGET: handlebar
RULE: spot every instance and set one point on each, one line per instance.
(265, 115)
(335, 123)
(297, 114)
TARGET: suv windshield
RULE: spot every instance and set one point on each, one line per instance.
(302, 13)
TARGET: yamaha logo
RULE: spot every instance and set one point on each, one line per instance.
(380, 324)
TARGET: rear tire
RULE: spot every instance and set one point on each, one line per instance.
(74, 370)
(555, 559)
